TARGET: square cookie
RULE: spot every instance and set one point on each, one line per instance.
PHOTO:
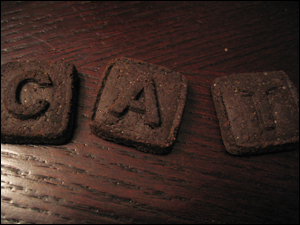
(37, 100)
(257, 112)
(139, 104)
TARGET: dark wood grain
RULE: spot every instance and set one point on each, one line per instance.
(90, 180)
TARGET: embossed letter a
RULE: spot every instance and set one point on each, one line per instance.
(130, 100)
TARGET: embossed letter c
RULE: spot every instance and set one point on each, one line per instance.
(12, 93)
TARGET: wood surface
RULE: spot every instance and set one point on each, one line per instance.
(90, 180)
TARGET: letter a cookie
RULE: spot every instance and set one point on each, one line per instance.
(139, 104)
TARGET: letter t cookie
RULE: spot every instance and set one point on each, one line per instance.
(257, 112)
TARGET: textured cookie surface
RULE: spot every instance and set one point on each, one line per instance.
(257, 112)
(139, 104)
(37, 99)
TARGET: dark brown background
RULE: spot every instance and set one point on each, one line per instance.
(90, 180)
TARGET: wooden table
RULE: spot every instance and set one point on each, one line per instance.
(89, 180)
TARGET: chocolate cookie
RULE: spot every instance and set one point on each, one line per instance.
(37, 100)
(139, 104)
(257, 112)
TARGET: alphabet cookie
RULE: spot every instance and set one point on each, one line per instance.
(37, 102)
(257, 112)
(139, 104)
